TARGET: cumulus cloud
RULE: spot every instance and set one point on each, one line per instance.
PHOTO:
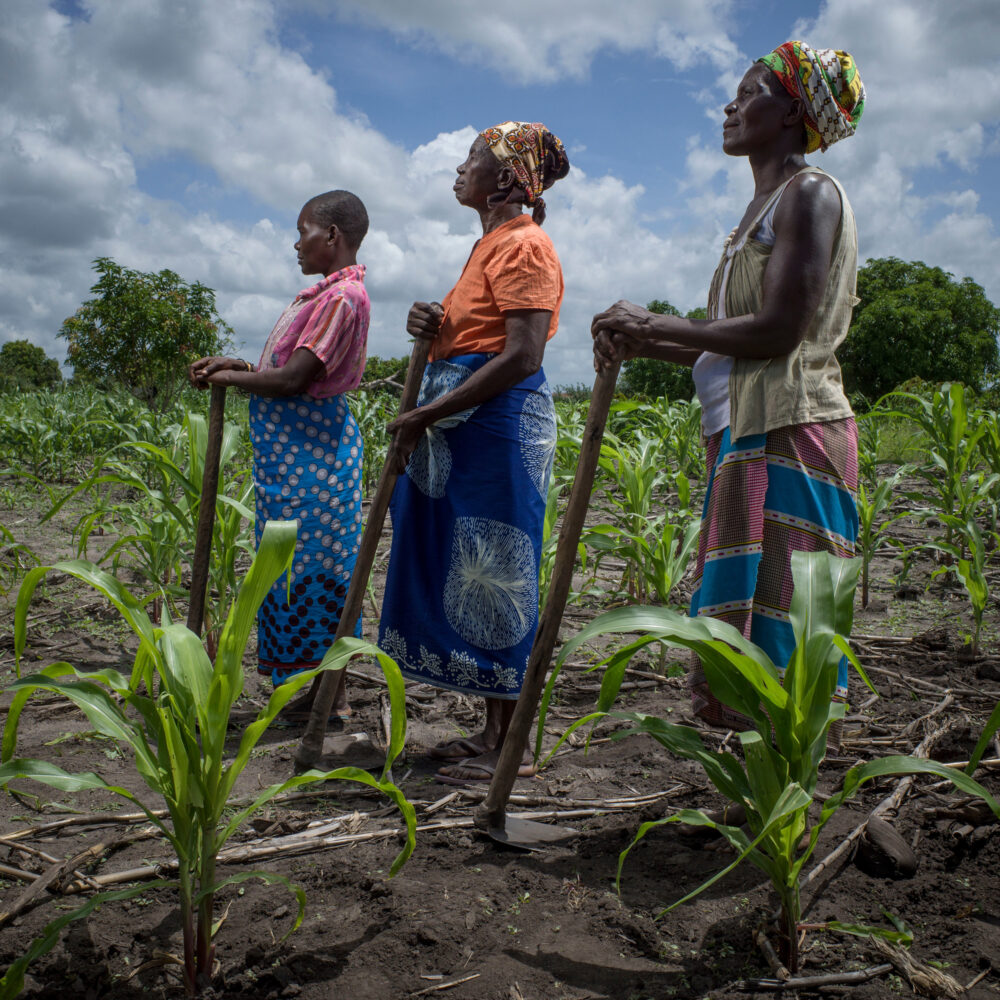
(933, 100)
(88, 104)
(548, 41)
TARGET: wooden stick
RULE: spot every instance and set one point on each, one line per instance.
(48, 859)
(610, 804)
(52, 874)
(446, 986)
(920, 682)
(22, 876)
(491, 814)
(206, 510)
(811, 982)
(890, 803)
(775, 964)
(311, 747)
(936, 710)
(298, 844)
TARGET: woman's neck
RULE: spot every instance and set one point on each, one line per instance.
(771, 170)
(491, 218)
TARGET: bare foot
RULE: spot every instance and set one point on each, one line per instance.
(462, 748)
(482, 768)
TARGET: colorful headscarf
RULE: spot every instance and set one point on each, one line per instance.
(521, 146)
(828, 83)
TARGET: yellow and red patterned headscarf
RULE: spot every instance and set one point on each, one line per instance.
(521, 146)
(828, 83)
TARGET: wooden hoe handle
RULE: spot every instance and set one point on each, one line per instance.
(206, 509)
(311, 748)
(492, 814)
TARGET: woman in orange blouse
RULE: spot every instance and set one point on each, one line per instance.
(461, 596)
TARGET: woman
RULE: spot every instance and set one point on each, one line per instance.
(781, 437)
(461, 594)
(306, 445)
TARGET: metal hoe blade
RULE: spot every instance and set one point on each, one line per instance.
(528, 835)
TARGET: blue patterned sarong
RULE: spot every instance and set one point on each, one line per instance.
(461, 595)
(307, 456)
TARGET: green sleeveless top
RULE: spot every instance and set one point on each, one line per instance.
(805, 386)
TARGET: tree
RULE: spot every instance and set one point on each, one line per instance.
(24, 365)
(651, 378)
(143, 330)
(916, 321)
(385, 375)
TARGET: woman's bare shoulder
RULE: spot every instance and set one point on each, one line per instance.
(812, 191)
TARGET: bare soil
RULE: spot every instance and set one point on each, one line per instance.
(497, 923)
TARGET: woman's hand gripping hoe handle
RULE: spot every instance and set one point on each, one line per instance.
(311, 748)
(492, 814)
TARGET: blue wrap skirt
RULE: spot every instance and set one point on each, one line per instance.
(460, 607)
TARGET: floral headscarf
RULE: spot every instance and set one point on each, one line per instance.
(828, 83)
(521, 146)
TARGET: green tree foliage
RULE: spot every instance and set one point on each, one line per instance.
(916, 321)
(142, 330)
(26, 366)
(385, 374)
(649, 378)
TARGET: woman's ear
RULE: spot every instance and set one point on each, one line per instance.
(796, 111)
(333, 235)
(506, 178)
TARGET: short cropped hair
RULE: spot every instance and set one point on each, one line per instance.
(344, 210)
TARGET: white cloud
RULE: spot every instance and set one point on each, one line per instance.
(87, 105)
(558, 38)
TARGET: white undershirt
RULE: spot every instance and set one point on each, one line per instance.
(711, 371)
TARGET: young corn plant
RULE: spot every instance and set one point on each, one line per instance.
(869, 447)
(873, 524)
(968, 557)
(15, 558)
(550, 540)
(655, 558)
(951, 441)
(776, 780)
(631, 475)
(157, 530)
(990, 730)
(176, 730)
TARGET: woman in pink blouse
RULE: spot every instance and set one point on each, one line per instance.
(306, 445)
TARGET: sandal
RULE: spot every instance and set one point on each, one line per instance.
(293, 720)
(486, 772)
(465, 747)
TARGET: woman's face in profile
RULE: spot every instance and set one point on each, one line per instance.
(756, 115)
(477, 176)
(315, 252)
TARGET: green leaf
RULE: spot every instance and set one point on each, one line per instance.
(21, 696)
(90, 574)
(338, 774)
(989, 731)
(55, 777)
(268, 878)
(274, 557)
(12, 982)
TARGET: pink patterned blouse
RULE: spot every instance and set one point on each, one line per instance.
(331, 320)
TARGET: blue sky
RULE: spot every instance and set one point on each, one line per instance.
(186, 134)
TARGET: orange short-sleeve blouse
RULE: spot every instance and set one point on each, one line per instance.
(512, 267)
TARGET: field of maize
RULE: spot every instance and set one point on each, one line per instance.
(148, 850)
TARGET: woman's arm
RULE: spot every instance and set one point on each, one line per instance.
(526, 332)
(291, 379)
(805, 228)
